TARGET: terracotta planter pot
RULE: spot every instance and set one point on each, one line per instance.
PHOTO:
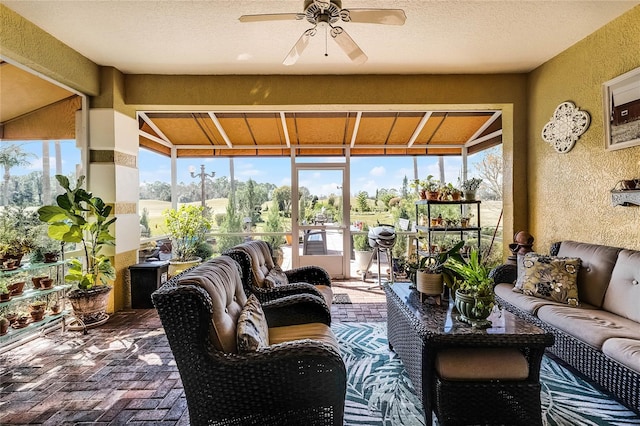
(37, 315)
(55, 309)
(50, 257)
(433, 195)
(36, 281)
(4, 326)
(12, 317)
(17, 288)
(46, 283)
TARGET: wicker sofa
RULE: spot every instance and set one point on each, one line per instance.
(297, 378)
(256, 261)
(601, 337)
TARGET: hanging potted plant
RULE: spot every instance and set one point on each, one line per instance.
(187, 227)
(79, 217)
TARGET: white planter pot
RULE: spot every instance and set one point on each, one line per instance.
(362, 260)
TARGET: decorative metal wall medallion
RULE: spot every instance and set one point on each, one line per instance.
(565, 127)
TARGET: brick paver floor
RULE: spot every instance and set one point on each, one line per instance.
(120, 373)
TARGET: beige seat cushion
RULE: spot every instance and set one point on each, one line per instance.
(480, 364)
(592, 326)
(221, 279)
(526, 303)
(624, 351)
(327, 293)
(313, 331)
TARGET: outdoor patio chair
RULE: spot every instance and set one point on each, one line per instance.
(288, 374)
(258, 268)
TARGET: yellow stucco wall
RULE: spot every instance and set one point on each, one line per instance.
(26, 44)
(569, 194)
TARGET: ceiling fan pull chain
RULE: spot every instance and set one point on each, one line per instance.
(326, 41)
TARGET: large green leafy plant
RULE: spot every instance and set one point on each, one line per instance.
(187, 227)
(79, 217)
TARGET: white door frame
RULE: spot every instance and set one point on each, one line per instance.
(328, 262)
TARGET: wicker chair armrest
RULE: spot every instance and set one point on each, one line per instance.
(297, 309)
(504, 274)
(309, 274)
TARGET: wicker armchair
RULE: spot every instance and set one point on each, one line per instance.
(289, 382)
(256, 260)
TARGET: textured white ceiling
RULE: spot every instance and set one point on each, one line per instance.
(205, 37)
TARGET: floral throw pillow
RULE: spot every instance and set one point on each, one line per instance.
(275, 277)
(550, 277)
(252, 332)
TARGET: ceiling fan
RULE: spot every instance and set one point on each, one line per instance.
(325, 13)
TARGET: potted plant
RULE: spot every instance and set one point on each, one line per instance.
(18, 281)
(362, 250)
(46, 250)
(187, 227)
(430, 272)
(469, 187)
(17, 229)
(79, 217)
(473, 289)
(4, 326)
(37, 309)
(5, 293)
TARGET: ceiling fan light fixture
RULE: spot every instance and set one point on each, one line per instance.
(325, 13)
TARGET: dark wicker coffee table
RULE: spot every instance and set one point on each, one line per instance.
(417, 331)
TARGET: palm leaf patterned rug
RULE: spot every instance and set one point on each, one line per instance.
(379, 391)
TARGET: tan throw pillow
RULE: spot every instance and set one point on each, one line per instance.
(253, 331)
(552, 278)
(275, 277)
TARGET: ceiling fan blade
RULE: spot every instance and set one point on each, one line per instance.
(349, 46)
(374, 16)
(298, 48)
(272, 17)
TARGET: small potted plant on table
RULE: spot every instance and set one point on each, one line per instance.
(473, 289)
(430, 275)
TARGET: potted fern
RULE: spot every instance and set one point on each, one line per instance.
(79, 217)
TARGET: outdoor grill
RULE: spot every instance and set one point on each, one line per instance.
(382, 238)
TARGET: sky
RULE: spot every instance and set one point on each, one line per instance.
(367, 173)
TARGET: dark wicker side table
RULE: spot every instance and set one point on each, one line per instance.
(417, 331)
